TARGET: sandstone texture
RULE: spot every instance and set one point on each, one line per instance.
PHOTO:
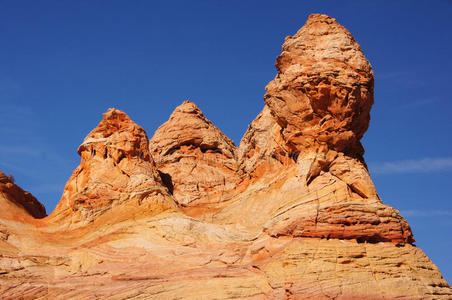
(16, 202)
(116, 172)
(196, 160)
(291, 213)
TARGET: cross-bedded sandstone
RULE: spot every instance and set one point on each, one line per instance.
(291, 213)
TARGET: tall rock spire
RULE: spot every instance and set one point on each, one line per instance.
(323, 91)
(317, 110)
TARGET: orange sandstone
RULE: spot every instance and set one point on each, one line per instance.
(291, 213)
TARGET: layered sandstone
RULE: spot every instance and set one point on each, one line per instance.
(196, 160)
(290, 214)
(16, 202)
(306, 142)
(116, 170)
(323, 91)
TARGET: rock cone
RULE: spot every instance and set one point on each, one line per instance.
(116, 169)
(195, 158)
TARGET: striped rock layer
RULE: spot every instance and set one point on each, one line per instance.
(290, 213)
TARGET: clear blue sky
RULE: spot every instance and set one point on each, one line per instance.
(63, 63)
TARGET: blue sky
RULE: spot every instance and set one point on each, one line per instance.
(64, 63)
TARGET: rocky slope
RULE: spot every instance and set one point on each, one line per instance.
(17, 203)
(291, 213)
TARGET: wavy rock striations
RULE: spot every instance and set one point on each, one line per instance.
(291, 213)
(116, 172)
(196, 160)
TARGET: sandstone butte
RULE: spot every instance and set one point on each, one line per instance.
(291, 213)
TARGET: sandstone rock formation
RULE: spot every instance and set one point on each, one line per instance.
(197, 161)
(323, 91)
(313, 132)
(116, 170)
(17, 203)
(290, 214)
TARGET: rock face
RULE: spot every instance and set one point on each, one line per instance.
(290, 214)
(323, 91)
(263, 145)
(23, 201)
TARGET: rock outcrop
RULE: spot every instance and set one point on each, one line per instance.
(263, 146)
(196, 160)
(323, 91)
(24, 202)
(116, 172)
(290, 214)
(308, 135)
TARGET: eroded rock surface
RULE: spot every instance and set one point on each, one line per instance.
(290, 214)
(196, 160)
(305, 143)
(116, 172)
(11, 193)
(323, 91)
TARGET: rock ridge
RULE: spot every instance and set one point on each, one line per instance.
(291, 213)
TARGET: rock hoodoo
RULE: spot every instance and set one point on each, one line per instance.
(290, 214)
(323, 91)
(317, 110)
